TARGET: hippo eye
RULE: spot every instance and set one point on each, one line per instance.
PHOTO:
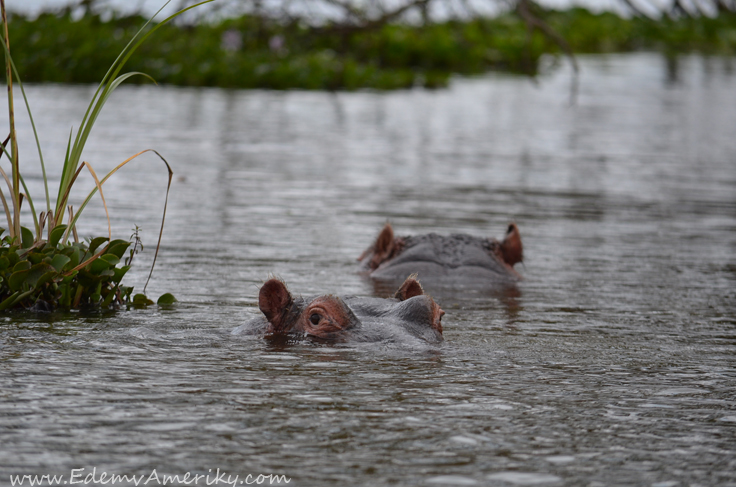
(314, 318)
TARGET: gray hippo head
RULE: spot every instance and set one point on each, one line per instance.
(456, 257)
(331, 318)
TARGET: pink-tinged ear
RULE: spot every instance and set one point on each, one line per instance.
(384, 247)
(409, 289)
(273, 299)
(385, 240)
(512, 251)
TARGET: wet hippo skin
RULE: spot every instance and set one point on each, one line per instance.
(410, 314)
(456, 257)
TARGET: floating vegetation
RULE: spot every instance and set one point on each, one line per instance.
(252, 51)
(49, 275)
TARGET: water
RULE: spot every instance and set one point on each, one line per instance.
(611, 364)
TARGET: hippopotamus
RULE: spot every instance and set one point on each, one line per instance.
(335, 319)
(454, 258)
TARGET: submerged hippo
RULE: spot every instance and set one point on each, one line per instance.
(456, 257)
(330, 318)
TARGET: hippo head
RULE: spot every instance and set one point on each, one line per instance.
(437, 256)
(338, 319)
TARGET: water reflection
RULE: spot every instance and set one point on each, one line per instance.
(671, 70)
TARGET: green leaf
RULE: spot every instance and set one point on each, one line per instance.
(141, 300)
(96, 242)
(117, 248)
(165, 299)
(98, 266)
(26, 237)
(78, 294)
(56, 235)
(65, 292)
(110, 259)
(17, 279)
(35, 276)
(75, 256)
(23, 296)
(8, 302)
(22, 266)
(4, 263)
(125, 292)
(108, 299)
(46, 277)
(119, 273)
(70, 278)
(36, 272)
(58, 262)
(87, 278)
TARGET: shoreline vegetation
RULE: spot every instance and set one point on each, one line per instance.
(255, 51)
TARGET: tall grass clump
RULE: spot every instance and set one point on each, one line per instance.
(46, 266)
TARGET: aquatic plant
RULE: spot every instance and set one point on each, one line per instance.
(41, 267)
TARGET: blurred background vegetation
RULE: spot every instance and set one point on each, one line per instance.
(344, 45)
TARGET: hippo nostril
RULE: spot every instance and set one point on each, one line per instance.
(314, 318)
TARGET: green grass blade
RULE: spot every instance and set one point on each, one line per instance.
(59, 215)
(13, 198)
(115, 67)
(103, 90)
(114, 170)
(30, 203)
(166, 202)
(63, 198)
(33, 125)
(7, 209)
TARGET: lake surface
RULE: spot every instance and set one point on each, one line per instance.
(612, 363)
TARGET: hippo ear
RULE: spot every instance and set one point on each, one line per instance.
(383, 248)
(273, 299)
(385, 241)
(409, 289)
(512, 250)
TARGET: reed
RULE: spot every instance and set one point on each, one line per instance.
(42, 268)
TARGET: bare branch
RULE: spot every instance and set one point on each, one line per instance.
(370, 24)
(523, 8)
